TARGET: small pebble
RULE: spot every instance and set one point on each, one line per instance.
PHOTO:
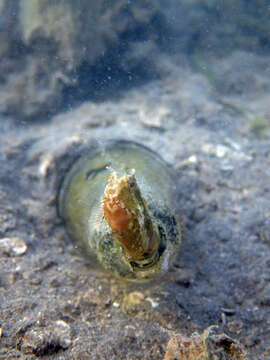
(45, 340)
(12, 246)
(204, 346)
(45, 165)
(154, 117)
(134, 298)
(235, 326)
(63, 332)
(153, 303)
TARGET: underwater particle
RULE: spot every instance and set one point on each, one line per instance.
(117, 203)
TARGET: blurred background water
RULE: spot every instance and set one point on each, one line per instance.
(55, 56)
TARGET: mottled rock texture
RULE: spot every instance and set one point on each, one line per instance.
(207, 346)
